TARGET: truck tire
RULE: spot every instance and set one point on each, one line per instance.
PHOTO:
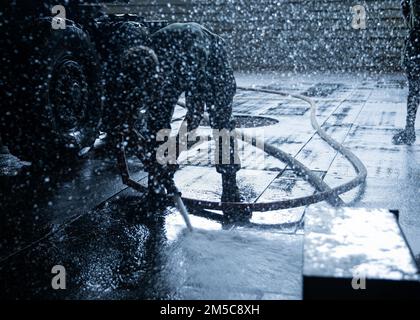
(62, 106)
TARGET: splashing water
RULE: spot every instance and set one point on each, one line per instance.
(238, 264)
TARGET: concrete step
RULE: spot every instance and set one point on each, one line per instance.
(357, 253)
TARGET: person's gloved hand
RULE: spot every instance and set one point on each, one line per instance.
(168, 179)
(161, 181)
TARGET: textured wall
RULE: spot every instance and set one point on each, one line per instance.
(294, 34)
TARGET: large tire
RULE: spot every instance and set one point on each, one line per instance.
(60, 112)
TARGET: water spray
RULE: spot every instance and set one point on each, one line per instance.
(182, 209)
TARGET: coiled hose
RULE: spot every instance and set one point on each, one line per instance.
(325, 193)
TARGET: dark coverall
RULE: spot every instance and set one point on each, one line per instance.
(411, 64)
(115, 41)
(193, 61)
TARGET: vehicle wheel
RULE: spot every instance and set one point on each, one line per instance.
(63, 112)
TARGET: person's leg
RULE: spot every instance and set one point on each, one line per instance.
(413, 102)
(412, 68)
(159, 118)
(223, 124)
(408, 135)
(195, 101)
(120, 112)
(227, 159)
(222, 89)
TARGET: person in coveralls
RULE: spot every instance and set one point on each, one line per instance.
(116, 41)
(187, 58)
(411, 63)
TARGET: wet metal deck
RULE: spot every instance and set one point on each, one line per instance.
(86, 221)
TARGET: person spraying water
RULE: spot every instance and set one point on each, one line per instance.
(185, 58)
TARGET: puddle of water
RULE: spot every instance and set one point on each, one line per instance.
(236, 264)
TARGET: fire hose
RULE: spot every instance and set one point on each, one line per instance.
(324, 192)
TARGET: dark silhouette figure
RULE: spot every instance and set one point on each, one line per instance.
(187, 58)
(411, 63)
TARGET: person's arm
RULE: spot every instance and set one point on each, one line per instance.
(405, 7)
(195, 109)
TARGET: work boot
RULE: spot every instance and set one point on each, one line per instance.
(406, 136)
(231, 193)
